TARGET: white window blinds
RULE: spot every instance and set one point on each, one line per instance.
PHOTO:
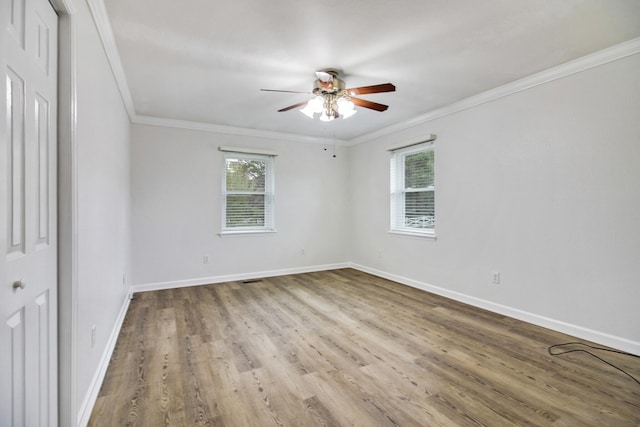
(413, 189)
(248, 192)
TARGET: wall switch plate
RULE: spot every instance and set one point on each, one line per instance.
(495, 277)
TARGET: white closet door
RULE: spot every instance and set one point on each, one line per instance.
(28, 246)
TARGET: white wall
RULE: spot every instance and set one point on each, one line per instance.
(176, 194)
(103, 203)
(542, 186)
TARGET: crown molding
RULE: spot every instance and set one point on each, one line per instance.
(209, 127)
(614, 53)
(105, 32)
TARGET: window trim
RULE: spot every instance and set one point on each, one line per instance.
(269, 192)
(397, 165)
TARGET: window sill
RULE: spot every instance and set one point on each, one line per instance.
(228, 233)
(431, 235)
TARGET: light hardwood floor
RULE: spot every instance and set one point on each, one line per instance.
(344, 348)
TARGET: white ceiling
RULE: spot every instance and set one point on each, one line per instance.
(205, 61)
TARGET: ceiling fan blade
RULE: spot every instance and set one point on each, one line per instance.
(369, 104)
(286, 91)
(363, 90)
(291, 107)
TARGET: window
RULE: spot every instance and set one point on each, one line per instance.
(413, 190)
(247, 193)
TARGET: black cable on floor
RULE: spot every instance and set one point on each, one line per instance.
(591, 354)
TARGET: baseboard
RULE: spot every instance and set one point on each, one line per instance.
(234, 277)
(535, 319)
(84, 413)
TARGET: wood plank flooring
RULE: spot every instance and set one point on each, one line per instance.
(344, 348)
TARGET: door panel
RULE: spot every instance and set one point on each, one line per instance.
(16, 149)
(28, 257)
(13, 335)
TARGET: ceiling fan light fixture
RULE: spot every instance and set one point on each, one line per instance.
(329, 106)
(326, 117)
(345, 107)
(348, 113)
(314, 105)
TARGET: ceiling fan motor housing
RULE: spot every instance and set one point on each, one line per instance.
(333, 86)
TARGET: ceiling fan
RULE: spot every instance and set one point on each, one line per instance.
(332, 100)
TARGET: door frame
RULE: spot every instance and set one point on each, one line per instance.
(67, 213)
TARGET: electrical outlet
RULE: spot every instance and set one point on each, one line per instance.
(205, 259)
(302, 251)
(495, 277)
